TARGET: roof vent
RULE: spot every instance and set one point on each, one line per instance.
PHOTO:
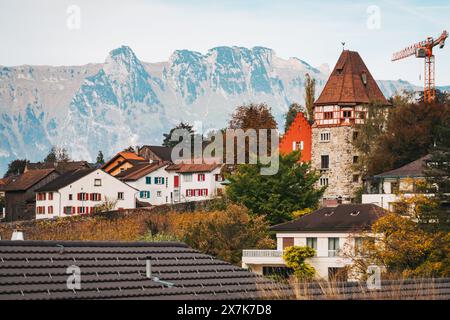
(354, 213)
(17, 235)
(327, 214)
(148, 274)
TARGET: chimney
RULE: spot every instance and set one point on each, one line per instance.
(148, 268)
(17, 235)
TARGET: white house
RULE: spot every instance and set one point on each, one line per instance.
(160, 183)
(387, 189)
(336, 233)
(78, 192)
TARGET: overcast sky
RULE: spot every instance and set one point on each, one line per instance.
(47, 31)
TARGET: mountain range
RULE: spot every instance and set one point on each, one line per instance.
(126, 101)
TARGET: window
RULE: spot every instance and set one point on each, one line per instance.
(328, 115)
(325, 137)
(41, 196)
(201, 177)
(356, 178)
(82, 210)
(189, 193)
(158, 193)
(40, 210)
(218, 177)
(297, 145)
(355, 159)
(355, 135)
(203, 192)
(120, 196)
(159, 180)
(70, 197)
(325, 162)
(360, 114)
(69, 210)
(333, 247)
(50, 210)
(347, 113)
(323, 182)
(97, 182)
(50, 196)
(95, 197)
(187, 177)
(288, 242)
(82, 196)
(148, 180)
(144, 194)
(312, 243)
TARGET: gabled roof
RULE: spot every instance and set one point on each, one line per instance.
(192, 168)
(127, 156)
(343, 218)
(28, 179)
(32, 270)
(4, 182)
(130, 155)
(65, 179)
(347, 85)
(164, 153)
(412, 169)
(139, 171)
(60, 166)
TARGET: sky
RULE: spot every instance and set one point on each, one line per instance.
(76, 32)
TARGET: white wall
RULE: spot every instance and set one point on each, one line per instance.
(109, 189)
(164, 189)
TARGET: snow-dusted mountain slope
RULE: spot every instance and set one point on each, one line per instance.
(125, 101)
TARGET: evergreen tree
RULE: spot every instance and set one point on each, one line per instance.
(167, 142)
(310, 92)
(290, 116)
(100, 158)
(16, 167)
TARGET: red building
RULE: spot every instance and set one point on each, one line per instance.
(298, 137)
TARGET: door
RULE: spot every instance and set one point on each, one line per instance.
(176, 181)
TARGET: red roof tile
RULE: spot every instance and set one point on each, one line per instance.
(347, 85)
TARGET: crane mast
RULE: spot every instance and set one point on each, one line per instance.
(424, 49)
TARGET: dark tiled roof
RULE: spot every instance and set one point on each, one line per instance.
(345, 217)
(139, 171)
(28, 179)
(191, 168)
(412, 169)
(65, 179)
(164, 153)
(117, 270)
(61, 166)
(345, 84)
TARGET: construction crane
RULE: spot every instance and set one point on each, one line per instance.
(424, 49)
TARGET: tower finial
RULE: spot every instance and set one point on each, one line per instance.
(343, 46)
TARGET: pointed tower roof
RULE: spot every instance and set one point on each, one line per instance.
(350, 83)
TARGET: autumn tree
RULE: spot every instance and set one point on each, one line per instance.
(290, 116)
(277, 196)
(16, 167)
(310, 93)
(407, 250)
(295, 259)
(223, 234)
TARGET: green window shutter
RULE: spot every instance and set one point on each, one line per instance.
(148, 180)
(162, 180)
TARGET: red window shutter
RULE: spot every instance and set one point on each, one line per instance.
(206, 192)
(99, 198)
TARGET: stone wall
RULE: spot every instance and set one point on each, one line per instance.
(341, 151)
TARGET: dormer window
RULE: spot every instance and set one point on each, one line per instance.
(364, 78)
(355, 213)
(328, 214)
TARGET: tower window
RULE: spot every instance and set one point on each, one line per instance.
(325, 137)
(356, 178)
(323, 182)
(347, 113)
(355, 159)
(328, 115)
(355, 135)
(325, 162)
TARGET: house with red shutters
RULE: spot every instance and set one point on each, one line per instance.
(298, 137)
(162, 183)
(79, 192)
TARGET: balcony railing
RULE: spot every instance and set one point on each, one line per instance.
(262, 253)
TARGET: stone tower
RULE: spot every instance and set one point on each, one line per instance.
(338, 111)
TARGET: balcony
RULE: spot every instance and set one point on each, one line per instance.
(262, 253)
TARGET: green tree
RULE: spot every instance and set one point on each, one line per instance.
(167, 142)
(295, 258)
(310, 93)
(100, 158)
(277, 196)
(16, 167)
(290, 116)
(57, 154)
